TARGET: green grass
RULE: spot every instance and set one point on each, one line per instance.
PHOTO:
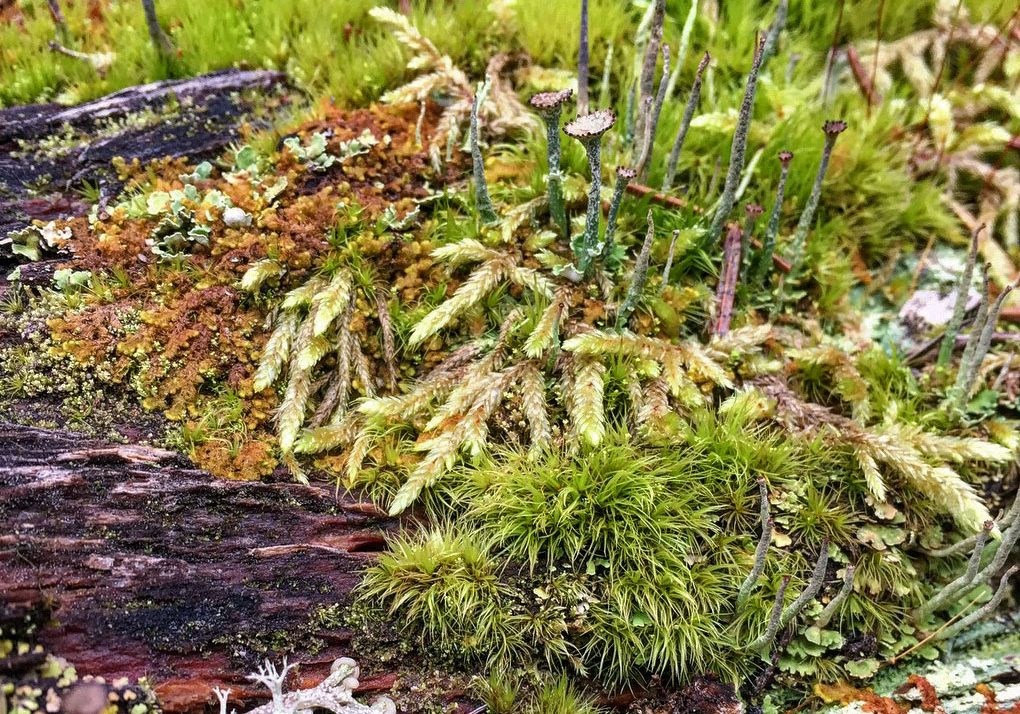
(335, 50)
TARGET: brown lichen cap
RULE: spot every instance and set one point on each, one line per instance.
(785, 157)
(625, 172)
(590, 126)
(550, 100)
(753, 210)
(834, 127)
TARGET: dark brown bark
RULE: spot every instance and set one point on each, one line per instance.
(152, 568)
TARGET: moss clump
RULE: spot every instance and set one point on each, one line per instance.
(180, 330)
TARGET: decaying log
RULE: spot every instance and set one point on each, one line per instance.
(50, 151)
(152, 568)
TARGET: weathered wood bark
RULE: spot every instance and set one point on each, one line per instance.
(194, 117)
(153, 568)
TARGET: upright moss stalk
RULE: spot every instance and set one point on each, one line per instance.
(832, 128)
(960, 302)
(482, 200)
(588, 129)
(549, 105)
(768, 246)
(623, 177)
(685, 124)
(738, 148)
(637, 283)
(582, 62)
(159, 38)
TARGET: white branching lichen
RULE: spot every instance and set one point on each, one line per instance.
(334, 694)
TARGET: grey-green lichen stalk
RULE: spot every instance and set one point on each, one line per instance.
(582, 62)
(752, 211)
(738, 148)
(685, 123)
(624, 175)
(960, 303)
(482, 199)
(768, 246)
(637, 283)
(588, 129)
(981, 333)
(159, 38)
(762, 550)
(652, 120)
(832, 128)
(550, 106)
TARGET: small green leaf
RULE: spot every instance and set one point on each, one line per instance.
(862, 668)
(245, 158)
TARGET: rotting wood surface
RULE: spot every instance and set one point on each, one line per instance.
(49, 152)
(153, 568)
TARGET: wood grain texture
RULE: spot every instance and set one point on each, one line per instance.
(152, 568)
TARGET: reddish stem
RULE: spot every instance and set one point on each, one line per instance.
(867, 88)
(727, 288)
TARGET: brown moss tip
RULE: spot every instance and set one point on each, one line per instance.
(545, 101)
(834, 127)
(785, 157)
(753, 210)
(590, 126)
(625, 172)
